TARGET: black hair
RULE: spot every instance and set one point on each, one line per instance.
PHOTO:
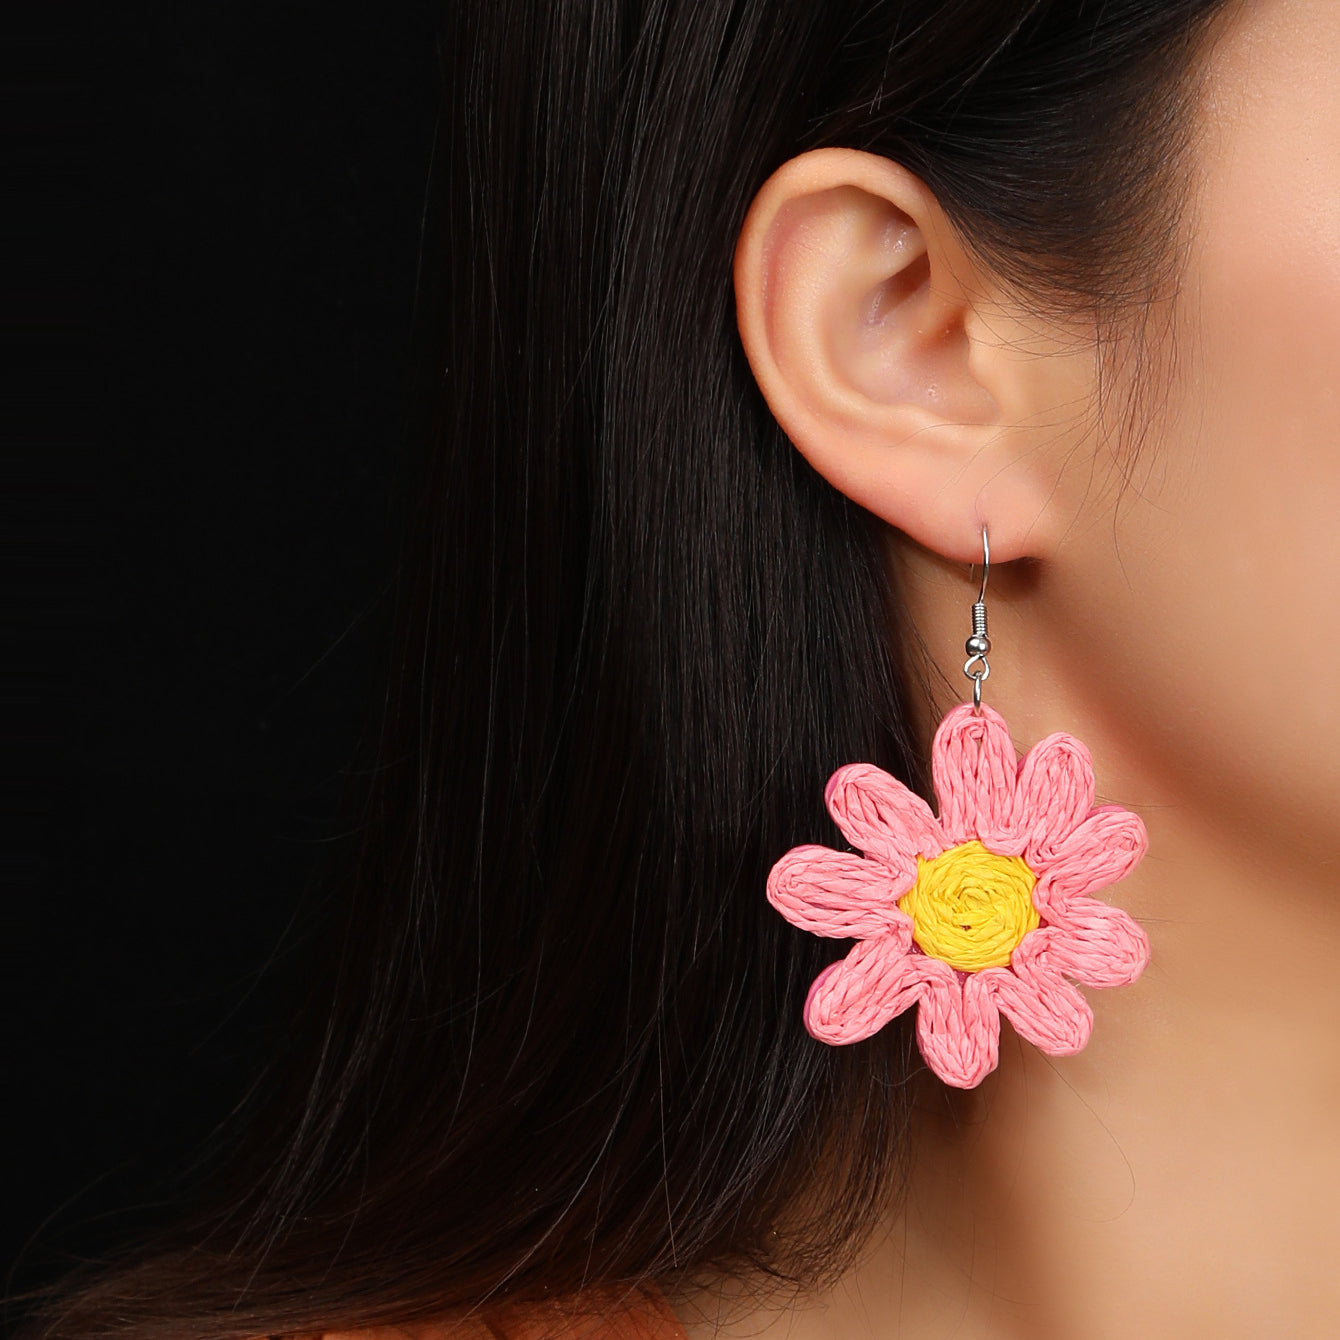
(557, 1036)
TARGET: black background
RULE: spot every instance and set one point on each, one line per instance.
(229, 354)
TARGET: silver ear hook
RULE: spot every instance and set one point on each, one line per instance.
(978, 644)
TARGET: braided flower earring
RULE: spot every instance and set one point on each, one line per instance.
(986, 909)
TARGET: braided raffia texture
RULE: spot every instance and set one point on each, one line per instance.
(988, 908)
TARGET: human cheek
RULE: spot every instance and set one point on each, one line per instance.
(1259, 428)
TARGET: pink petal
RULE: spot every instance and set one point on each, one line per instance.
(879, 816)
(858, 995)
(958, 1027)
(1044, 1008)
(1107, 846)
(835, 893)
(973, 766)
(1095, 944)
(1054, 795)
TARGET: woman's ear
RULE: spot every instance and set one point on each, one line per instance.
(902, 373)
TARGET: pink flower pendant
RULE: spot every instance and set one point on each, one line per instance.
(986, 908)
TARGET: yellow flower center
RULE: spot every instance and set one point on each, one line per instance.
(971, 907)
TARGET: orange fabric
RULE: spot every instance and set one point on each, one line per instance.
(642, 1316)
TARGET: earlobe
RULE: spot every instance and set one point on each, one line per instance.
(887, 358)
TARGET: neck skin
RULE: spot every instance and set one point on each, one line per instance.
(1179, 1176)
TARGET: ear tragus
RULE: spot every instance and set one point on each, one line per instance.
(860, 312)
